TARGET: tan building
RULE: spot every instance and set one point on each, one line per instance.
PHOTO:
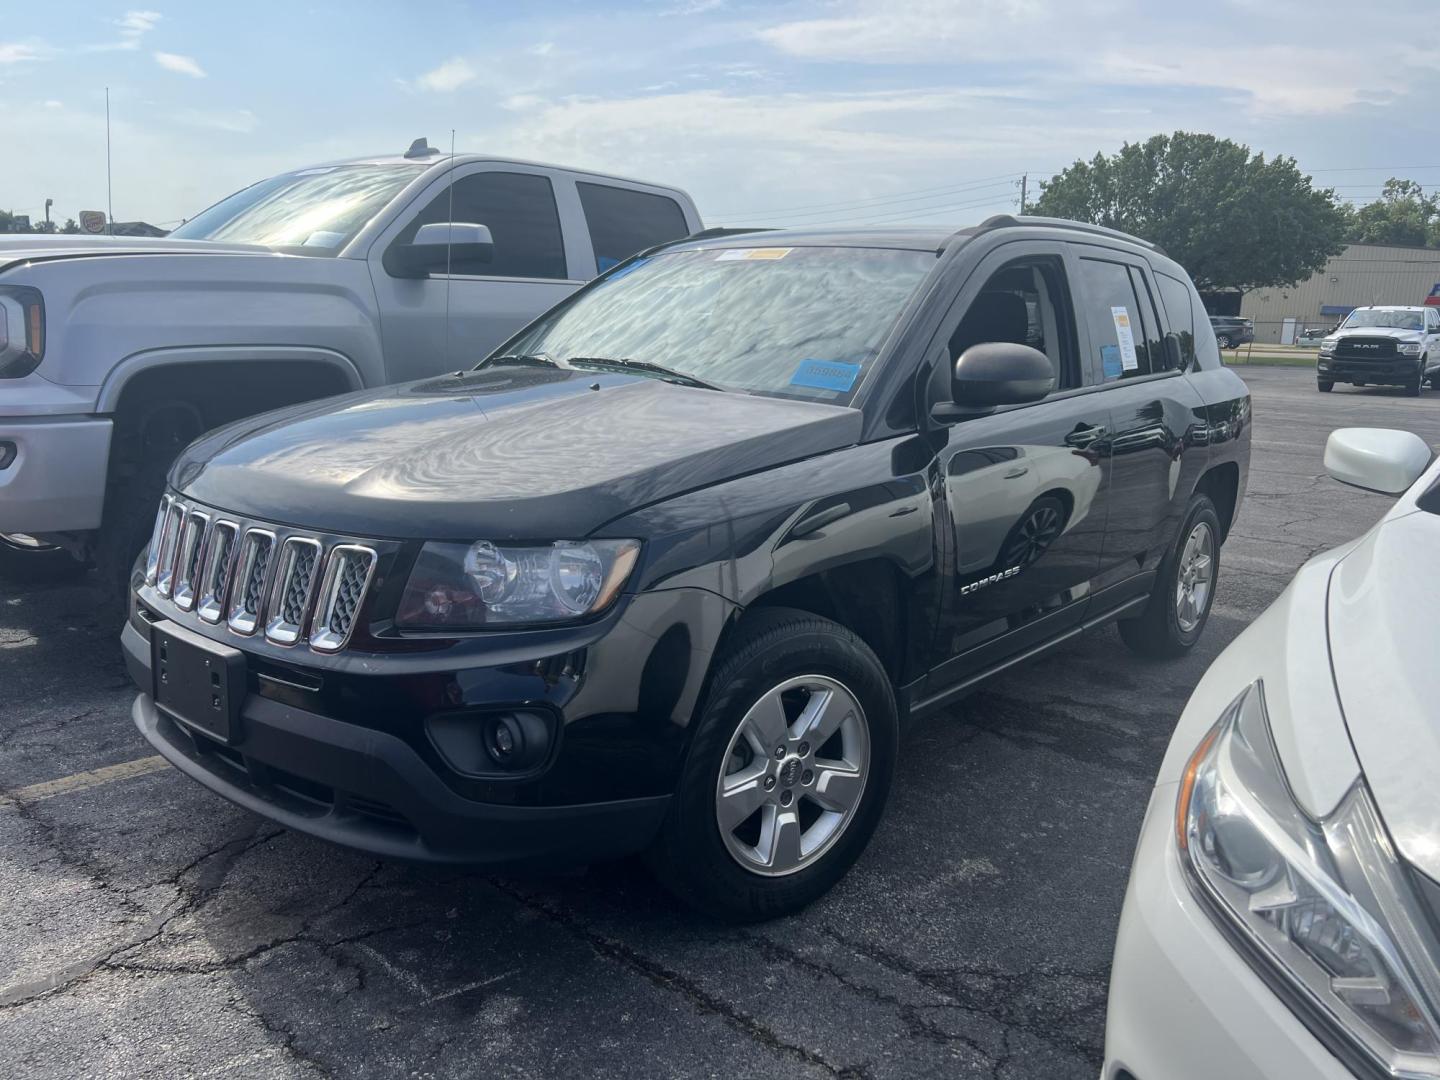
(1361, 274)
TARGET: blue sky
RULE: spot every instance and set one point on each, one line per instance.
(780, 112)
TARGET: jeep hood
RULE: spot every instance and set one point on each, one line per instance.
(502, 453)
(1382, 650)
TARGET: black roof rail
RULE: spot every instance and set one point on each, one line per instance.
(710, 234)
(1012, 221)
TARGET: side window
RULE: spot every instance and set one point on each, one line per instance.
(623, 221)
(1026, 302)
(1175, 295)
(1117, 319)
(518, 208)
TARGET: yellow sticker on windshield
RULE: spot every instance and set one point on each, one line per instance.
(732, 254)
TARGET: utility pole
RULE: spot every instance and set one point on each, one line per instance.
(48, 203)
(109, 191)
(1024, 182)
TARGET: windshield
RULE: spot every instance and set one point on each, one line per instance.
(795, 322)
(1398, 320)
(314, 211)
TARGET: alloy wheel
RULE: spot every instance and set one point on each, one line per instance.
(793, 775)
(1195, 576)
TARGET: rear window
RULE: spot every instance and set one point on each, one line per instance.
(623, 221)
(1179, 313)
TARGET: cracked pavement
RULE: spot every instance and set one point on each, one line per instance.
(153, 929)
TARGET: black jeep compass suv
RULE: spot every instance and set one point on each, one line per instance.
(666, 573)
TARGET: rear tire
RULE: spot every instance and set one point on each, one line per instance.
(1324, 386)
(722, 869)
(1168, 627)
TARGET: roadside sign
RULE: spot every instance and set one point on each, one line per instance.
(21, 222)
(92, 221)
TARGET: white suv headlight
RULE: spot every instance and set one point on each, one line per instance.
(1325, 906)
(1410, 348)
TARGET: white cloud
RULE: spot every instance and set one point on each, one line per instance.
(239, 121)
(451, 75)
(17, 52)
(138, 22)
(521, 102)
(53, 104)
(181, 65)
(692, 7)
(928, 30)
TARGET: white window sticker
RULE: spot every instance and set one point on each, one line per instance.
(1128, 360)
(732, 254)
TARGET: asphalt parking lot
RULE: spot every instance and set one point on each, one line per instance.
(151, 929)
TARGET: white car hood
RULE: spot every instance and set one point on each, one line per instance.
(1382, 614)
(1396, 332)
(28, 247)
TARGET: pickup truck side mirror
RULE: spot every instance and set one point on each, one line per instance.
(992, 374)
(438, 244)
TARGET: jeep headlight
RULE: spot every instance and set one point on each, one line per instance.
(1324, 907)
(485, 585)
(22, 330)
(1410, 348)
(1327, 345)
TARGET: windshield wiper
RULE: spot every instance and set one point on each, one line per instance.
(626, 364)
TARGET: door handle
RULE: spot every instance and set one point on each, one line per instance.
(1015, 474)
(1082, 437)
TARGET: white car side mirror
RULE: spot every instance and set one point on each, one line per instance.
(1377, 459)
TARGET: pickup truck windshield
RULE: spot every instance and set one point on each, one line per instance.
(805, 322)
(1396, 320)
(313, 211)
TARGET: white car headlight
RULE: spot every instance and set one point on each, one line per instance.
(1410, 348)
(484, 585)
(1327, 345)
(1325, 906)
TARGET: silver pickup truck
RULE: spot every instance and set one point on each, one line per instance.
(115, 353)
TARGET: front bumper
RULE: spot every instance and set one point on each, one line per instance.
(1399, 371)
(1184, 1004)
(342, 747)
(56, 482)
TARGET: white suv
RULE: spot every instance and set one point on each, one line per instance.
(116, 352)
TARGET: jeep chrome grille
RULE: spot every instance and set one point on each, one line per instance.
(215, 571)
(250, 576)
(347, 576)
(291, 590)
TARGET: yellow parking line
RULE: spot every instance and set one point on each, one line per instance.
(80, 781)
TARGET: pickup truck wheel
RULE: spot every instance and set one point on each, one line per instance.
(26, 560)
(125, 533)
(1184, 590)
(788, 771)
(1412, 388)
(1324, 386)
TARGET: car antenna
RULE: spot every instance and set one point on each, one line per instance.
(449, 242)
(420, 148)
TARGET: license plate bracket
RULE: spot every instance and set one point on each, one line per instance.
(197, 681)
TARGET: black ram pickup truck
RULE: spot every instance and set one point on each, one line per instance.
(667, 572)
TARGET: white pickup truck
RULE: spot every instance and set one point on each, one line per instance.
(115, 353)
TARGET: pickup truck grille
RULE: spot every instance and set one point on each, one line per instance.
(1365, 348)
(253, 575)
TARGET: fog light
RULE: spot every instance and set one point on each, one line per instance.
(493, 743)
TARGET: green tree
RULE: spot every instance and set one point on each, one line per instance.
(1403, 214)
(70, 226)
(1233, 219)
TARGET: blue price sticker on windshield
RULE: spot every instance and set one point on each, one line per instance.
(1110, 359)
(825, 375)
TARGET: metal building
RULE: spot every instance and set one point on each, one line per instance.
(1361, 274)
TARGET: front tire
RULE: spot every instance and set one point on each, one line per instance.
(1184, 591)
(788, 771)
(1324, 386)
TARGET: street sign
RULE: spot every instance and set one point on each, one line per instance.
(92, 221)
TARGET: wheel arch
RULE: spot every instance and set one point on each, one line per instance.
(124, 374)
(1222, 483)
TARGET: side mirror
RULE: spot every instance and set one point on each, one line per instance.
(993, 374)
(438, 244)
(1377, 459)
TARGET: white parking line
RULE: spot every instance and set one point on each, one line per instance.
(80, 781)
